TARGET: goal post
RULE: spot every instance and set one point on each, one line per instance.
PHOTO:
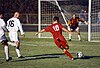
(94, 21)
(46, 10)
(64, 10)
(89, 20)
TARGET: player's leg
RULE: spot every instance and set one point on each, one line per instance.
(65, 48)
(70, 34)
(6, 50)
(68, 54)
(16, 42)
(78, 32)
(62, 45)
(4, 41)
(18, 49)
(11, 43)
(16, 45)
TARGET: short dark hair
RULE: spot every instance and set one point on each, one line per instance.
(55, 18)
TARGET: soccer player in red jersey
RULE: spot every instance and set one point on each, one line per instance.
(56, 30)
(73, 25)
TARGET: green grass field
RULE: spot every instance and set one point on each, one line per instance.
(43, 53)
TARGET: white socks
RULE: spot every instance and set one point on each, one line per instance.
(6, 49)
(79, 37)
(70, 36)
(17, 49)
(18, 52)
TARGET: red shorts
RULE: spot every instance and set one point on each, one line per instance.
(61, 42)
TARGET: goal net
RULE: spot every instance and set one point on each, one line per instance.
(49, 8)
(94, 20)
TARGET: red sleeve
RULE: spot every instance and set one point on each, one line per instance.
(47, 29)
(61, 25)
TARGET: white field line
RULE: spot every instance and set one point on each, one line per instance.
(53, 45)
(44, 44)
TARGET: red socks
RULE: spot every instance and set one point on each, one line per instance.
(68, 54)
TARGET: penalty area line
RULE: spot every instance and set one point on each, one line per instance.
(28, 44)
(35, 45)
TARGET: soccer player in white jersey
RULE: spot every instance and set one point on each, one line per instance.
(13, 25)
(3, 39)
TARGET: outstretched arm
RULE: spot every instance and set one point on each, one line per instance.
(43, 30)
(86, 22)
(65, 30)
(80, 19)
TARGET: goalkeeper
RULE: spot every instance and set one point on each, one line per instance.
(74, 26)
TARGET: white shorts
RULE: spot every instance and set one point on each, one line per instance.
(77, 29)
(13, 36)
(3, 37)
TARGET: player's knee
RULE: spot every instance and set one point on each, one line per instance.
(17, 47)
(78, 33)
(67, 47)
(64, 47)
(4, 42)
(71, 30)
(60, 47)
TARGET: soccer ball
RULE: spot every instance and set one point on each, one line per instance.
(80, 55)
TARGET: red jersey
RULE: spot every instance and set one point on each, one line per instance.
(56, 30)
(74, 22)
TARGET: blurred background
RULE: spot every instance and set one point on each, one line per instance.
(29, 10)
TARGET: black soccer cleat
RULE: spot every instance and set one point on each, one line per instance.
(69, 40)
(7, 60)
(80, 40)
(21, 57)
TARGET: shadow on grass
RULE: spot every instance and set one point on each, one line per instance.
(42, 56)
(88, 57)
(48, 56)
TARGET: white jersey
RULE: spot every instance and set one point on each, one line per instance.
(2, 28)
(2, 25)
(13, 25)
